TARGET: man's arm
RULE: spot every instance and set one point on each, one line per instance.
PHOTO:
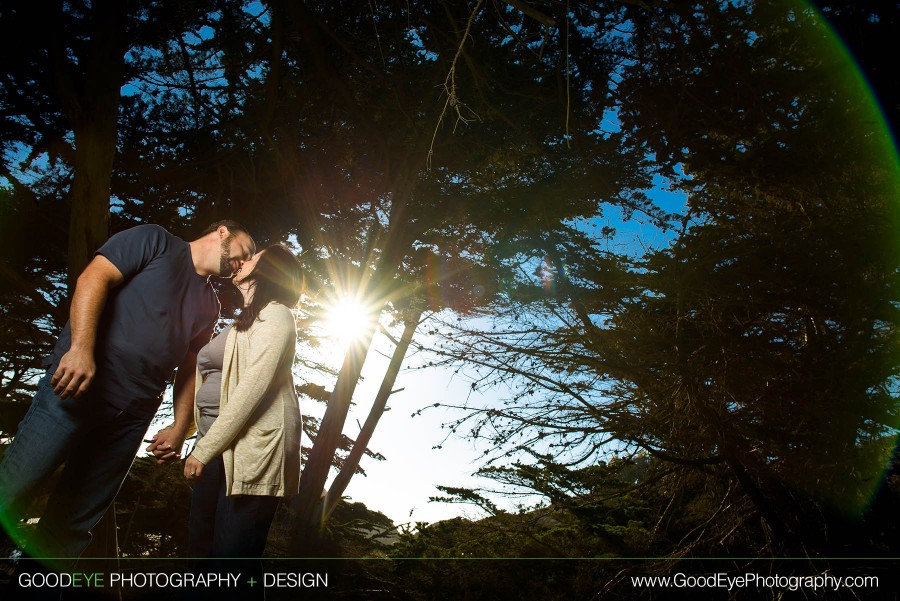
(166, 444)
(76, 368)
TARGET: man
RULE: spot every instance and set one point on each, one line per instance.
(141, 308)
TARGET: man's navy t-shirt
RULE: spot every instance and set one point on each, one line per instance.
(161, 311)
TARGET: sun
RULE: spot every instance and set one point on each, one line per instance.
(346, 321)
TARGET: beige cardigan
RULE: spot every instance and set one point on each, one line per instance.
(259, 424)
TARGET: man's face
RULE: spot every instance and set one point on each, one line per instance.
(236, 248)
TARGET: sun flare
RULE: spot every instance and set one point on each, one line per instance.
(346, 321)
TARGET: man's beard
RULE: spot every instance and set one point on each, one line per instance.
(225, 269)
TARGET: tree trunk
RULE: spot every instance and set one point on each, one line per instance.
(378, 405)
(89, 222)
(89, 91)
(307, 506)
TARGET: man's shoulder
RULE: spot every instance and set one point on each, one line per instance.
(148, 230)
(132, 249)
(152, 238)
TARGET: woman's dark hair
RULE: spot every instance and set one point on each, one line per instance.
(278, 277)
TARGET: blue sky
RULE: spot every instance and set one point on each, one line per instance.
(400, 487)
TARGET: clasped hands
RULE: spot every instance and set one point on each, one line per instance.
(166, 447)
(166, 444)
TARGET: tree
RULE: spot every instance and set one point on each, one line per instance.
(61, 92)
(28, 301)
(419, 171)
(78, 50)
(757, 349)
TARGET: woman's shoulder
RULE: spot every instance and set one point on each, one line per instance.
(277, 313)
(277, 308)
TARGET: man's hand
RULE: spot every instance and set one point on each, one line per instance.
(193, 469)
(74, 374)
(166, 444)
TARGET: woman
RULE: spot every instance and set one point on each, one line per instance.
(248, 451)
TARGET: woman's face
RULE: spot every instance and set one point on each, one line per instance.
(247, 268)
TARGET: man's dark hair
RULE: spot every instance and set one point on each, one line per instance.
(233, 227)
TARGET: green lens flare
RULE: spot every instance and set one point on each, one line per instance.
(878, 150)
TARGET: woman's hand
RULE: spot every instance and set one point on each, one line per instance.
(192, 469)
